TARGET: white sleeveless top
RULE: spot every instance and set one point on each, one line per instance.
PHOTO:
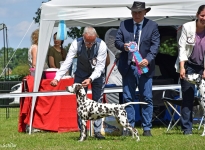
(30, 56)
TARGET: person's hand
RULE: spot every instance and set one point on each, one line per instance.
(125, 46)
(86, 82)
(182, 72)
(144, 63)
(203, 76)
(54, 82)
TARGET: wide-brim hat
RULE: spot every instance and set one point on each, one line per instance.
(139, 6)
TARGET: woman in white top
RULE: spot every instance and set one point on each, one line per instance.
(191, 60)
(33, 49)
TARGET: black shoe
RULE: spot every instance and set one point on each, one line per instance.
(188, 132)
(99, 136)
(147, 133)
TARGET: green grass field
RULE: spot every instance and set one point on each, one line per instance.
(10, 138)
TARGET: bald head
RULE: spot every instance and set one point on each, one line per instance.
(89, 36)
(90, 31)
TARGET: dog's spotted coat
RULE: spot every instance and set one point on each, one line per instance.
(200, 83)
(90, 110)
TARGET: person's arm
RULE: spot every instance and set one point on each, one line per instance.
(51, 62)
(34, 54)
(68, 61)
(182, 70)
(119, 40)
(155, 43)
(182, 52)
(182, 45)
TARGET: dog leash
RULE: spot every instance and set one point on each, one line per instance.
(104, 96)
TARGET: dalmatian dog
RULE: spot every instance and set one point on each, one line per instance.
(88, 109)
(200, 83)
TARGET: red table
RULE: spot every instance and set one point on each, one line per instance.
(53, 113)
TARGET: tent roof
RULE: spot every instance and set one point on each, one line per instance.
(111, 13)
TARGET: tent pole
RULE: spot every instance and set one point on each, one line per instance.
(4, 51)
(7, 58)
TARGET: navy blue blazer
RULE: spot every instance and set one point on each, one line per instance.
(148, 45)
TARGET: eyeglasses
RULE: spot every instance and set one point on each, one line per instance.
(88, 43)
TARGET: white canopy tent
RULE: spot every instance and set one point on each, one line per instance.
(103, 13)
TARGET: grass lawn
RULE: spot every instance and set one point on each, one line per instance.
(10, 138)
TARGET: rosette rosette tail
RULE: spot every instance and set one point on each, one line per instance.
(137, 57)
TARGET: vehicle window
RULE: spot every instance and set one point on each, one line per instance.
(15, 88)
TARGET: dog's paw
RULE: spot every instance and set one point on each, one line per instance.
(203, 134)
(80, 140)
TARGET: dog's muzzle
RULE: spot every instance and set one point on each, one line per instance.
(69, 89)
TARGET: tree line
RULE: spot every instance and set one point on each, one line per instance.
(13, 63)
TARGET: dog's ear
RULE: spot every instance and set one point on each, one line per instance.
(78, 87)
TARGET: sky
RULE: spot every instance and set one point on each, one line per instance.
(18, 15)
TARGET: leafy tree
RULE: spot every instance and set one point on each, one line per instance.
(75, 32)
(2, 51)
(20, 57)
(4, 58)
(21, 70)
(169, 47)
(38, 14)
(15, 58)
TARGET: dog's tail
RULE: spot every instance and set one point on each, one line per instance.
(130, 103)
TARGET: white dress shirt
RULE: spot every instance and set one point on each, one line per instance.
(99, 68)
(140, 31)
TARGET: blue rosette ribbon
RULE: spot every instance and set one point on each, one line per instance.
(62, 31)
(137, 57)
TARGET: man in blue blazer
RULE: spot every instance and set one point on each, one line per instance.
(144, 32)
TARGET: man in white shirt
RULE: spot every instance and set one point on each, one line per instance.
(91, 53)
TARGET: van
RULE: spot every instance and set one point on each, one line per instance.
(16, 89)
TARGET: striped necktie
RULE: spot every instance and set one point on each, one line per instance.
(137, 33)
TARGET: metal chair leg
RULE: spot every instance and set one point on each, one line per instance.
(170, 126)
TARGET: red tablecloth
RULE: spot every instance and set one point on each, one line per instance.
(53, 113)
